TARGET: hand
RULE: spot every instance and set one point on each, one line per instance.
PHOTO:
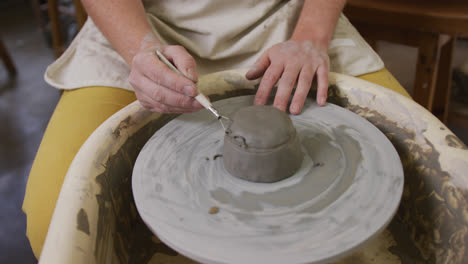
(291, 62)
(160, 89)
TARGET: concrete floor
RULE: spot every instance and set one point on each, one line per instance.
(27, 102)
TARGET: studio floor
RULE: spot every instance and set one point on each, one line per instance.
(27, 102)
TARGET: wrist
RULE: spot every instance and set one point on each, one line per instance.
(149, 41)
(321, 43)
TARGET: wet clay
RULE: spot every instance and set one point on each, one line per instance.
(261, 145)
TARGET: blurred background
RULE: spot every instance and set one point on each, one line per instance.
(423, 43)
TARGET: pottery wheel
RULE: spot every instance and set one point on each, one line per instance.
(346, 191)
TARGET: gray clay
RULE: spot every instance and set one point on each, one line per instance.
(261, 145)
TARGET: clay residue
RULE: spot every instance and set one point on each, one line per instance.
(123, 125)
(435, 227)
(455, 142)
(82, 222)
(319, 164)
(213, 210)
(405, 249)
(118, 220)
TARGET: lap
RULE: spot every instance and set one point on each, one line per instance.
(78, 113)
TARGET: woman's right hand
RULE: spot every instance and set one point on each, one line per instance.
(158, 88)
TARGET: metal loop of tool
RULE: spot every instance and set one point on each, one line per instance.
(225, 123)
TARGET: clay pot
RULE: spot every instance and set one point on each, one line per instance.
(261, 145)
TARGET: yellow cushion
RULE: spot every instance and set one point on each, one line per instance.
(385, 78)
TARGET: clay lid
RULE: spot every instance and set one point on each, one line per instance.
(262, 127)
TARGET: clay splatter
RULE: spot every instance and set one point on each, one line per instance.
(455, 142)
(213, 210)
(318, 164)
(82, 222)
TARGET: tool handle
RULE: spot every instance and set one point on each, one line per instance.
(203, 100)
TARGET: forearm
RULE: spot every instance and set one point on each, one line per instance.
(123, 22)
(317, 21)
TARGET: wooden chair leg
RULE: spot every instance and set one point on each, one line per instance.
(36, 6)
(426, 70)
(5, 56)
(432, 83)
(57, 38)
(373, 43)
(440, 106)
(80, 13)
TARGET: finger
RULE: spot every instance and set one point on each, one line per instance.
(183, 61)
(158, 72)
(269, 79)
(135, 80)
(303, 87)
(322, 84)
(161, 94)
(167, 96)
(286, 85)
(145, 100)
(259, 67)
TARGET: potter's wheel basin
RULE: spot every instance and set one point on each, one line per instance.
(347, 189)
(429, 226)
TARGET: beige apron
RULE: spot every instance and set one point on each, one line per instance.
(221, 35)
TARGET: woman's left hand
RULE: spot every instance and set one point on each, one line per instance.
(291, 62)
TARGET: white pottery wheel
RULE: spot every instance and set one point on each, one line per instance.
(347, 190)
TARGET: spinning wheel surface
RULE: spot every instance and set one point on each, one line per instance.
(346, 191)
